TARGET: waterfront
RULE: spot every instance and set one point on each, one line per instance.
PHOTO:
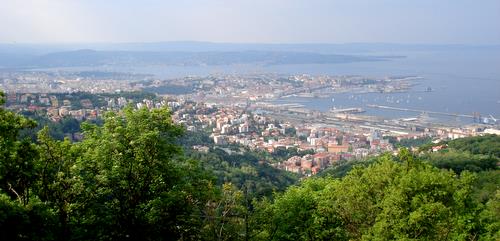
(462, 81)
(459, 84)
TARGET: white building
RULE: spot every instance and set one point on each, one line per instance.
(243, 128)
(226, 128)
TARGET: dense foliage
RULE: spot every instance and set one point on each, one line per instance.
(126, 180)
(486, 145)
(398, 198)
(246, 171)
(476, 154)
(130, 178)
(65, 127)
(409, 142)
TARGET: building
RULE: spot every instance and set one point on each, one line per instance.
(243, 128)
(334, 148)
(226, 128)
(220, 140)
(64, 111)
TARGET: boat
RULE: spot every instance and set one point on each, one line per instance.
(355, 110)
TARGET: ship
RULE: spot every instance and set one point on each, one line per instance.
(347, 110)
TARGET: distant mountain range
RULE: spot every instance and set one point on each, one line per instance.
(80, 58)
(202, 53)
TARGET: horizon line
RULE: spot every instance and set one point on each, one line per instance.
(252, 43)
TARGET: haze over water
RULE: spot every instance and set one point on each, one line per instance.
(462, 81)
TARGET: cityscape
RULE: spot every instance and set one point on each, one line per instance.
(241, 109)
(252, 120)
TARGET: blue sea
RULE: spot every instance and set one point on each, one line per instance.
(462, 81)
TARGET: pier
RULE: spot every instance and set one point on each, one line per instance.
(420, 111)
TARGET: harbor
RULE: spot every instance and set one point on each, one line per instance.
(419, 111)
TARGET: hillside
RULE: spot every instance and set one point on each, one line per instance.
(135, 176)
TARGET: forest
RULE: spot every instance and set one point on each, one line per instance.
(131, 177)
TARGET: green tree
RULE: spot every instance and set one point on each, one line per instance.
(490, 219)
(16, 156)
(459, 161)
(225, 215)
(132, 176)
(59, 184)
(394, 198)
(296, 215)
(22, 215)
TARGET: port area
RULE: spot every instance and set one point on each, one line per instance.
(419, 111)
(352, 119)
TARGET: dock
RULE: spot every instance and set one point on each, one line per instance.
(420, 111)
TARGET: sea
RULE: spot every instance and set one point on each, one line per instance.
(462, 82)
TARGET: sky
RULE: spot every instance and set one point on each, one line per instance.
(251, 21)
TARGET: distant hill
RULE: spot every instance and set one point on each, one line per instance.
(88, 57)
(208, 53)
(197, 46)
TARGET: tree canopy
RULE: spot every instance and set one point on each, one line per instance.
(391, 199)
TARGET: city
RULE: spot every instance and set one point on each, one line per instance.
(239, 109)
(252, 120)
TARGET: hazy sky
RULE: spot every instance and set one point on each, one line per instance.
(251, 21)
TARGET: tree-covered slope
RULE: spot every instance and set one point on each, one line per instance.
(392, 199)
(134, 177)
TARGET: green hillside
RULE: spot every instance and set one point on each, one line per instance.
(135, 176)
